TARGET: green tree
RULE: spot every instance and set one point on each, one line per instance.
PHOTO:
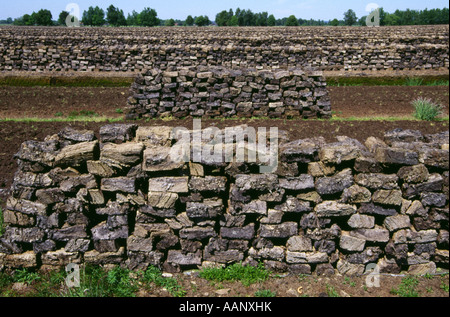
(292, 21)
(271, 21)
(392, 19)
(350, 17)
(115, 16)
(169, 22)
(202, 21)
(148, 17)
(223, 18)
(234, 21)
(42, 17)
(133, 18)
(383, 14)
(62, 17)
(262, 19)
(334, 22)
(94, 16)
(189, 20)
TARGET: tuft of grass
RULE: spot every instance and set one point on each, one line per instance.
(154, 275)
(331, 291)
(265, 293)
(247, 275)
(407, 287)
(425, 109)
(26, 276)
(444, 286)
(120, 283)
(438, 83)
(97, 282)
(82, 114)
(413, 81)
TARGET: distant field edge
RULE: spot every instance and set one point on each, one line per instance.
(125, 79)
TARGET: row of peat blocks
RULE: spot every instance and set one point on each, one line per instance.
(220, 92)
(121, 199)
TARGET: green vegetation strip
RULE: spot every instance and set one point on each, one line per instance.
(120, 119)
(247, 275)
(442, 80)
(126, 81)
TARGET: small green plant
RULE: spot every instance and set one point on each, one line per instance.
(247, 275)
(413, 81)
(59, 114)
(265, 293)
(119, 110)
(154, 275)
(120, 283)
(26, 276)
(82, 114)
(407, 287)
(349, 282)
(438, 83)
(427, 110)
(331, 291)
(444, 286)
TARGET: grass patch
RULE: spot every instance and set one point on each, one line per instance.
(388, 81)
(153, 275)
(247, 275)
(425, 109)
(407, 287)
(95, 281)
(331, 291)
(82, 114)
(265, 293)
(413, 81)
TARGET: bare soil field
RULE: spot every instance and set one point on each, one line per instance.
(347, 102)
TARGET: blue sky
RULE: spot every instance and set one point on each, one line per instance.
(177, 9)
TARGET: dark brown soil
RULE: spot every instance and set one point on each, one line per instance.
(354, 101)
(383, 101)
(53, 102)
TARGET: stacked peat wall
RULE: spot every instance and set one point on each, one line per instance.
(55, 49)
(124, 199)
(220, 92)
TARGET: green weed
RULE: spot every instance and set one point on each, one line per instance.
(331, 291)
(25, 276)
(154, 275)
(265, 293)
(120, 283)
(425, 109)
(444, 286)
(82, 114)
(407, 287)
(247, 275)
(413, 81)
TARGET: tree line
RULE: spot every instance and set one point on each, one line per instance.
(148, 17)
